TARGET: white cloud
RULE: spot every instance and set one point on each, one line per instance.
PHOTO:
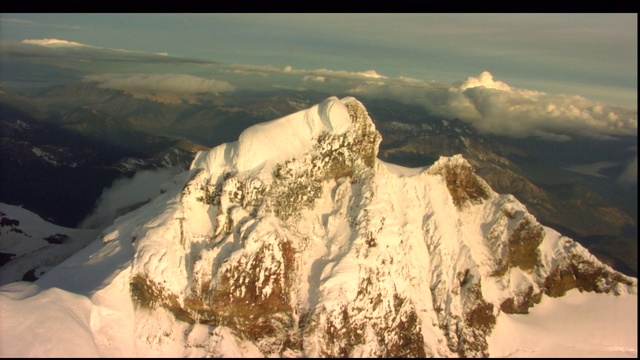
(496, 108)
(57, 43)
(124, 192)
(18, 22)
(173, 83)
(485, 80)
(342, 74)
(54, 43)
(260, 70)
(314, 78)
(22, 22)
(515, 112)
(489, 104)
(74, 53)
(264, 70)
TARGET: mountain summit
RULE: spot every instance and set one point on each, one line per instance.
(296, 240)
(300, 241)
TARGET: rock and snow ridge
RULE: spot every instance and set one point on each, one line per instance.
(296, 240)
(300, 241)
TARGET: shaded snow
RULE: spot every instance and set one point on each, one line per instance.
(27, 242)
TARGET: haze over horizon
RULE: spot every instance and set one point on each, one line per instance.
(591, 55)
(552, 76)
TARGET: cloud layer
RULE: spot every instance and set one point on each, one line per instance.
(126, 192)
(490, 105)
(494, 107)
(53, 42)
(172, 83)
(70, 52)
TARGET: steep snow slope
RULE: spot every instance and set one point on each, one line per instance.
(31, 246)
(296, 241)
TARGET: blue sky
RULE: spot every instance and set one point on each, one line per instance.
(593, 55)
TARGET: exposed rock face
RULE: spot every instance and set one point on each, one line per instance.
(327, 251)
(461, 181)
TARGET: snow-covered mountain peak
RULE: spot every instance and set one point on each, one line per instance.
(262, 146)
(300, 242)
(296, 241)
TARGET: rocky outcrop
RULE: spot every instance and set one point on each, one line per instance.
(462, 183)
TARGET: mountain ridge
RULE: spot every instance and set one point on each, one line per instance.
(280, 252)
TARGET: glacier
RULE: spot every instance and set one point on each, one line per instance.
(296, 241)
